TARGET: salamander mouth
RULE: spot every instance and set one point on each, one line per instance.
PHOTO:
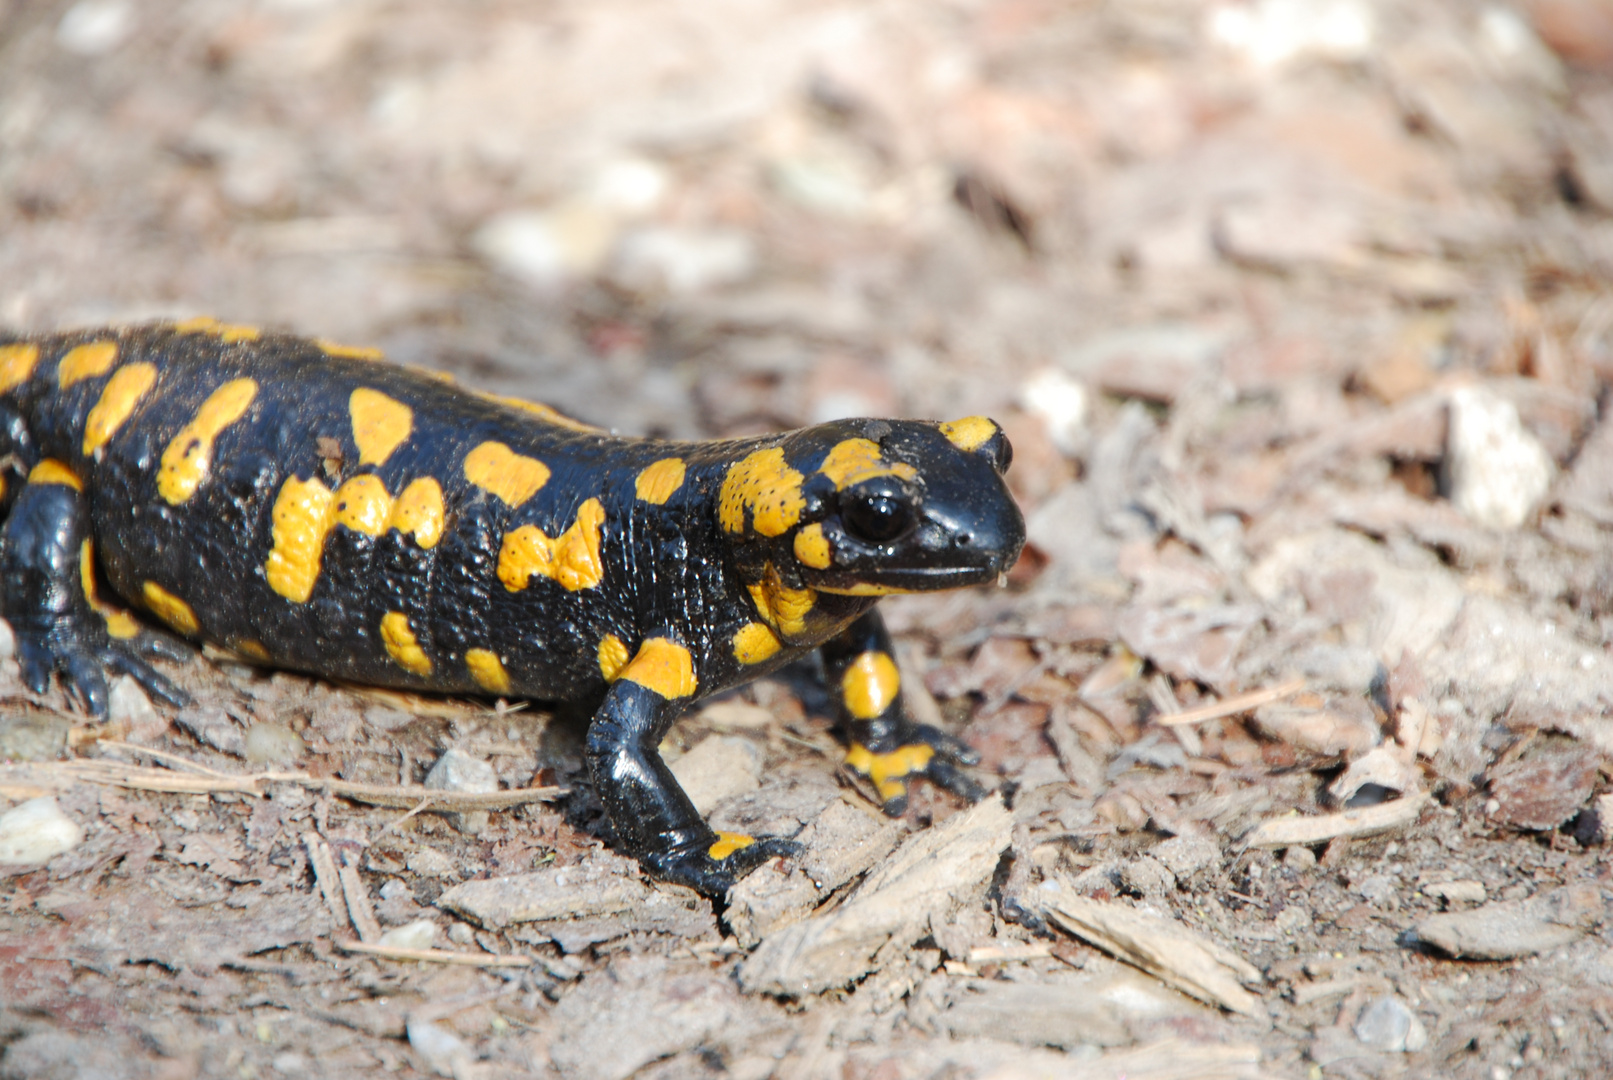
(921, 579)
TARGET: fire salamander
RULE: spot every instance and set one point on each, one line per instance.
(309, 507)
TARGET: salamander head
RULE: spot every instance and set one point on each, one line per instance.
(867, 507)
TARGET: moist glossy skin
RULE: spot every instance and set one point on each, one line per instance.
(311, 507)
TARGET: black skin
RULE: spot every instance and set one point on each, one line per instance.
(935, 515)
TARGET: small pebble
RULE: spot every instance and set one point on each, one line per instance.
(36, 832)
(95, 27)
(443, 1052)
(1387, 1024)
(270, 742)
(1498, 471)
(420, 934)
(458, 771)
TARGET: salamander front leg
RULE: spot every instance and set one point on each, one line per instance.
(886, 746)
(47, 594)
(654, 820)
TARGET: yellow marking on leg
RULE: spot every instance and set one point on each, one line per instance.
(573, 558)
(86, 362)
(755, 642)
(348, 352)
(252, 650)
(852, 461)
(887, 771)
(812, 547)
(123, 392)
(419, 512)
(613, 657)
(781, 607)
(664, 666)
(488, 670)
(870, 684)
(119, 623)
(189, 457)
(497, 469)
(16, 365)
(51, 471)
(363, 505)
(763, 483)
(401, 645)
(544, 412)
(970, 433)
(380, 424)
(727, 843)
(170, 609)
(657, 482)
(304, 512)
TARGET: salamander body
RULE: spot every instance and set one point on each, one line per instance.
(312, 507)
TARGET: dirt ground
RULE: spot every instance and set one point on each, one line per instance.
(1297, 313)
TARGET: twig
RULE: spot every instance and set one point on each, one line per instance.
(1237, 703)
(398, 824)
(1304, 831)
(326, 876)
(433, 956)
(359, 908)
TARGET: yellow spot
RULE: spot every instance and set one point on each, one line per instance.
(812, 547)
(768, 487)
(888, 770)
(123, 392)
(870, 684)
(612, 657)
(658, 481)
(728, 843)
(198, 325)
(970, 433)
(418, 511)
(572, 559)
(664, 666)
(16, 364)
(488, 671)
(349, 352)
(86, 362)
(544, 412)
(51, 471)
(783, 608)
(863, 588)
(304, 513)
(854, 460)
(380, 424)
(363, 505)
(86, 570)
(401, 644)
(186, 461)
(229, 333)
(170, 609)
(253, 650)
(119, 623)
(755, 642)
(497, 469)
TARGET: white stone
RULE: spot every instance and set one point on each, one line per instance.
(443, 1052)
(95, 27)
(547, 248)
(420, 934)
(1498, 472)
(36, 831)
(458, 771)
(1062, 402)
(683, 260)
(1269, 33)
(719, 768)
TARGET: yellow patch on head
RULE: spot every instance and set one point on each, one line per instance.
(544, 412)
(363, 505)
(870, 684)
(304, 513)
(488, 670)
(86, 362)
(613, 657)
(663, 666)
(380, 424)
(16, 364)
(123, 392)
(348, 352)
(812, 547)
(658, 481)
(781, 607)
(186, 461)
(887, 771)
(419, 512)
(755, 642)
(51, 471)
(970, 433)
(852, 461)
(497, 469)
(765, 485)
(727, 843)
(170, 609)
(401, 645)
(573, 558)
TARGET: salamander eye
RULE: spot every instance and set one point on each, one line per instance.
(877, 517)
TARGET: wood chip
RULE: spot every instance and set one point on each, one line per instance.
(598, 887)
(1306, 831)
(326, 876)
(359, 908)
(1169, 951)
